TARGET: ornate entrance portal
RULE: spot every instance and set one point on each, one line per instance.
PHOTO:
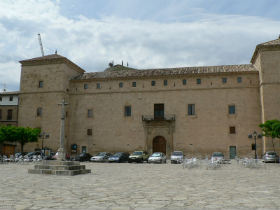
(159, 144)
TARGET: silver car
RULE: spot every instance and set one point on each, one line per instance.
(270, 157)
(100, 157)
(157, 157)
(218, 157)
(177, 157)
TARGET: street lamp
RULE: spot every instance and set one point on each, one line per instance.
(255, 135)
(43, 136)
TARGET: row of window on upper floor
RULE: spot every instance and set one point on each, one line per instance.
(128, 111)
(165, 82)
(153, 83)
(11, 98)
(9, 114)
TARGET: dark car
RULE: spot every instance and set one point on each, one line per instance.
(119, 157)
(270, 157)
(82, 157)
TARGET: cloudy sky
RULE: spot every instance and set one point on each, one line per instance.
(144, 33)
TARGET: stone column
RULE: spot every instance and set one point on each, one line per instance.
(61, 150)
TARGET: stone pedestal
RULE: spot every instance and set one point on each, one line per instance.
(56, 167)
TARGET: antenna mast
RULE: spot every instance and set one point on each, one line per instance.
(41, 45)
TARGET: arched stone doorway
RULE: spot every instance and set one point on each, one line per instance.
(159, 144)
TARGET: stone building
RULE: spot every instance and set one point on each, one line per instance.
(194, 109)
(8, 116)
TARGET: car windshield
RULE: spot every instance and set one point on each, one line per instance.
(177, 153)
(101, 154)
(271, 153)
(137, 153)
(156, 155)
(118, 154)
(218, 154)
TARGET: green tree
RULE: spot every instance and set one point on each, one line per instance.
(271, 128)
(25, 135)
(21, 135)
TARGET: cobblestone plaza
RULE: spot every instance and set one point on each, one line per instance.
(142, 186)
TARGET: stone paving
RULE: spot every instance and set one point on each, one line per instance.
(142, 186)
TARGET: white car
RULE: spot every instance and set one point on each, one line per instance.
(217, 157)
(157, 157)
(177, 157)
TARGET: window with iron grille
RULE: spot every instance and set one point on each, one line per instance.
(133, 84)
(224, 80)
(232, 130)
(165, 82)
(98, 85)
(231, 109)
(153, 83)
(191, 109)
(184, 81)
(10, 114)
(41, 84)
(239, 79)
(89, 132)
(127, 111)
(198, 81)
(120, 84)
(90, 113)
(85, 86)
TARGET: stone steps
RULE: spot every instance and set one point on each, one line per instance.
(63, 168)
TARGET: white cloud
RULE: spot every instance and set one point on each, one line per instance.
(92, 43)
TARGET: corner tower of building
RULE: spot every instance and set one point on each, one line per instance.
(266, 59)
(44, 83)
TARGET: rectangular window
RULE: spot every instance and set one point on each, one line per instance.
(224, 80)
(239, 79)
(85, 86)
(127, 111)
(120, 84)
(191, 109)
(232, 130)
(10, 114)
(158, 111)
(89, 132)
(98, 86)
(11, 98)
(231, 109)
(165, 82)
(184, 81)
(0, 98)
(153, 83)
(133, 84)
(90, 113)
(198, 81)
(41, 83)
(39, 112)
(84, 149)
(0, 114)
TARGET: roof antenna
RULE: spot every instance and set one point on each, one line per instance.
(40, 43)
(127, 64)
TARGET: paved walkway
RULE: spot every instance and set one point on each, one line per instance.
(142, 186)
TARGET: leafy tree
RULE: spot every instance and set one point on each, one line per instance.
(271, 128)
(25, 135)
(19, 134)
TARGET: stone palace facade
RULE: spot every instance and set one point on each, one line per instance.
(194, 109)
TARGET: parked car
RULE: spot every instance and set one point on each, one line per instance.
(119, 157)
(138, 156)
(82, 157)
(177, 157)
(270, 157)
(157, 157)
(101, 157)
(217, 157)
(52, 156)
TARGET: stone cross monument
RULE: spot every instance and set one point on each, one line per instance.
(61, 150)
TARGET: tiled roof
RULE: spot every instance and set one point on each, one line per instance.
(273, 42)
(268, 45)
(54, 58)
(126, 73)
(42, 58)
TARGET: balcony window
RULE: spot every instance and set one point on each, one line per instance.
(191, 109)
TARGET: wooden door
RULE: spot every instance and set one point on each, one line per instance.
(159, 144)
